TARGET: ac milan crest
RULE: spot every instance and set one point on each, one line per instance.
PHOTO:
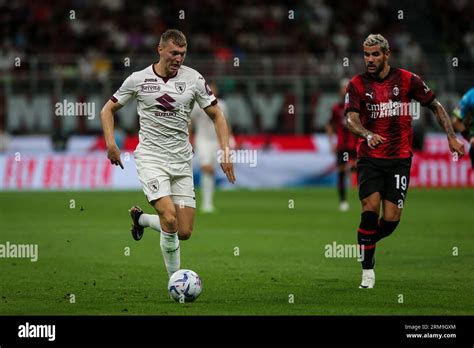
(395, 91)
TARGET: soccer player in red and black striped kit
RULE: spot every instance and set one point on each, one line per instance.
(345, 147)
(379, 111)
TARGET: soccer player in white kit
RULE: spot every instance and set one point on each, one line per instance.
(166, 92)
(206, 145)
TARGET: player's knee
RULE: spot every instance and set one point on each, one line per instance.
(185, 234)
(208, 169)
(169, 221)
(368, 205)
(393, 215)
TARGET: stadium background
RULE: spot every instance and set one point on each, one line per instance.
(277, 66)
(265, 63)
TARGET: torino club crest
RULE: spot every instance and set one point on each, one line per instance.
(180, 87)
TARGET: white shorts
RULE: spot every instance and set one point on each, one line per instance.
(167, 179)
(207, 152)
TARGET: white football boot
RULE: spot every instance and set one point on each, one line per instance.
(368, 279)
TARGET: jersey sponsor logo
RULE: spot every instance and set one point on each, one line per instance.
(151, 80)
(165, 103)
(180, 87)
(396, 91)
(150, 88)
(371, 95)
(393, 108)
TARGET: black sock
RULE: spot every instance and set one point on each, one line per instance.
(341, 185)
(366, 238)
(385, 228)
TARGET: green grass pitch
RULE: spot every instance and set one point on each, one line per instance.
(281, 256)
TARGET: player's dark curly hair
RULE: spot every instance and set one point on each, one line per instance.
(174, 35)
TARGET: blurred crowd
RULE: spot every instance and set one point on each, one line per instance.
(96, 30)
(90, 39)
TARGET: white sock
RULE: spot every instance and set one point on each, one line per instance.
(169, 243)
(368, 272)
(150, 220)
(207, 190)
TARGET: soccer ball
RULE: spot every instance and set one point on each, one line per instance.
(184, 286)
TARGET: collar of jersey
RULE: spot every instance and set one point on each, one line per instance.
(164, 78)
(380, 80)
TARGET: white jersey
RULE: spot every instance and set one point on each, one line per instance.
(164, 106)
(204, 127)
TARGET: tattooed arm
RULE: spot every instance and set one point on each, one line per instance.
(355, 126)
(455, 145)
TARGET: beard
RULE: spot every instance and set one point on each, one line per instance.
(378, 69)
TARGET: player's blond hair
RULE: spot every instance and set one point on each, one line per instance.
(174, 35)
(377, 39)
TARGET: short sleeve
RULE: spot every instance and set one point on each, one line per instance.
(352, 99)
(420, 91)
(203, 93)
(125, 92)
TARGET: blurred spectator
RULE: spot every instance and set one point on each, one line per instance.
(59, 139)
(99, 42)
(4, 139)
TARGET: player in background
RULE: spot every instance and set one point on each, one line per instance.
(206, 145)
(166, 92)
(344, 147)
(463, 122)
(379, 111)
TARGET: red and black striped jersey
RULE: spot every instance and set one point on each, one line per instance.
(385, 107)
(345, 139)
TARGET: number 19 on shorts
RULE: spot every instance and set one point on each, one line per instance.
(401, 182)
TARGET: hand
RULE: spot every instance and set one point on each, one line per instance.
(226, 164)
(228, 169)
(374, 140)
(334, 148)
(455, 145)
(113, 154)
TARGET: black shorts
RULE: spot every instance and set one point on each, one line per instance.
(390, 177)
(346, 156)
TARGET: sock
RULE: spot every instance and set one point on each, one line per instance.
(366, 235)
(207, 190)
(169, 244)
(368, 272)
(341, 185)
(385, 228)
(150, 220)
